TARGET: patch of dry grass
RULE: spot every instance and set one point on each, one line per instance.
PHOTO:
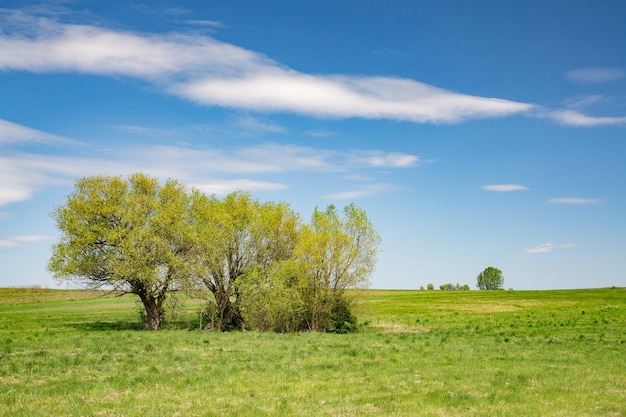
(390, 327)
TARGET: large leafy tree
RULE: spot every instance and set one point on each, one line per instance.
(132, 236)
(490, 279)
(233, 236)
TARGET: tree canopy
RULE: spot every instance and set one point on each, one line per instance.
(130, 235)
(262, 266)
(306, 290)
(233, 235)
(490, 279)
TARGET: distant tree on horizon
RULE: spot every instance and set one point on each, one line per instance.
(490, 279)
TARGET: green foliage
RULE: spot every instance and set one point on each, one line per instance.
(130, 236)
(307, 291)
(259, 263)
(430, 287)
(342, 318)
(338, 253)
(490, 279)
(236, 236)
(334, 253)
(270, 299)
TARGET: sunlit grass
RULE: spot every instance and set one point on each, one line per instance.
(423, 353)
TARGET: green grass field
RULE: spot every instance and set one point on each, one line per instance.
(421, 353)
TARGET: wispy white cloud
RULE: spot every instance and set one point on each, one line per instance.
(548, 247)
(205, 23)
(221, 187)
(595, 75)
(210, 72)
(575, 200)
(24, 173)
(320, 133)
(283, 158)
(388, 52)
(381, 159)
(577, 109)
(12, 192)
(146, 131)
(362, 192)
(17, 181)
(575, 118)
(504, 187)
(235, 125)
(12, 133)
(279, 89)
(254, 126)
(18, 240)
(32, 238)
(585, 100)
(45, 46)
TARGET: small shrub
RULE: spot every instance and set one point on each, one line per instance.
(342, 320)
(272, 301)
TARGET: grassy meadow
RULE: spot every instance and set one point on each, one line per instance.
(420, 353)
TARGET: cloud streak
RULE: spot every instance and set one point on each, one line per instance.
(23, 173)
(12, 133)
(214, 73)
(278, 89)
(362, 192)
(381, 159)
(575, 200)
(222, 187)
(19, 240)
(504, 187)
(48, 46)
(575, 118)
(548, 247)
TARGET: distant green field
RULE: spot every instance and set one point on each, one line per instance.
(421, 353)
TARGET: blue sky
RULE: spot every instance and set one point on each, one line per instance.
(474, 134)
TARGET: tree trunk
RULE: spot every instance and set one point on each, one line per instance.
(229, 316)
(154, 312)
